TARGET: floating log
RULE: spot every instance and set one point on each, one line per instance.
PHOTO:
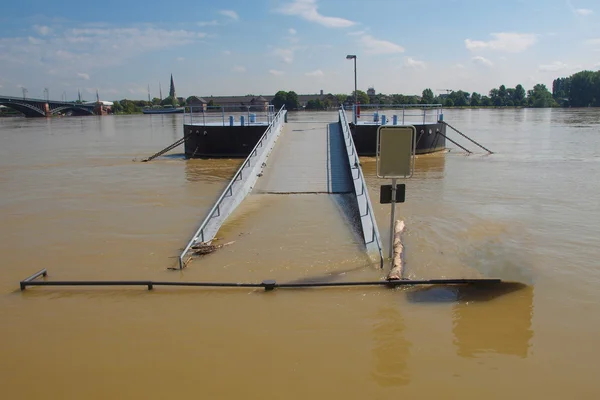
(207, 248)
(397, 271)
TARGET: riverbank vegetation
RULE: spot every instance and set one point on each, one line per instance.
(578, 90)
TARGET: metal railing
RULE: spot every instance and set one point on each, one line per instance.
(360, 187)
(215, 211)
(268, 284)
(236, 115)
(397, 114)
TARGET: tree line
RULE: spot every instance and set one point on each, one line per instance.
(581, 89)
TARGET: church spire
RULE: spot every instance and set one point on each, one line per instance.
(172, 89)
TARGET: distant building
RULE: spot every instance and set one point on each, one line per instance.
(371, 92)
(172, 89)
(256, 102)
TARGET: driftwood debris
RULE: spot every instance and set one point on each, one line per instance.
(397, 271)
(203, 248)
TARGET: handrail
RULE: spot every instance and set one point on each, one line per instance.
(198, 114)
(267, 284)
(424, 112)
(216, 207)
(364, 190)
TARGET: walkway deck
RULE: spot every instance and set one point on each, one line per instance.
(308, 158)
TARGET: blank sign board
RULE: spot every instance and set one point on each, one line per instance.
(395, 149)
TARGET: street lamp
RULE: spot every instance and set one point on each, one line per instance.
(353, 57)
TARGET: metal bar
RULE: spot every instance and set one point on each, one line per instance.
(466, 137)
(468, 151)
(24, 282)
(266, 284)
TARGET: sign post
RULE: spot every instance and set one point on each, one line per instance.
(395, 159)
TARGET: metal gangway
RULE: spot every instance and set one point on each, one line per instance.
(292, 158)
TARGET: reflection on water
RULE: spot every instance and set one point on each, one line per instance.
(211, 170)
(504, 330)
(390, 349)
(487, 317)
(427, 166)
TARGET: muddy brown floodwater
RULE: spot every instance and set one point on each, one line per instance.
(74, 201)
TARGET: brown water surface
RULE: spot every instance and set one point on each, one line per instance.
(74, 199)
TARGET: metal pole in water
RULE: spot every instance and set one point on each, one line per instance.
(393, 217)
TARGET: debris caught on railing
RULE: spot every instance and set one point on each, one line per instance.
(207, 248)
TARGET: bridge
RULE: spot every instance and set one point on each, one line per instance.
(47, 108)
(291, 158)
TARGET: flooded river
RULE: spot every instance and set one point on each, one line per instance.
(75, 199)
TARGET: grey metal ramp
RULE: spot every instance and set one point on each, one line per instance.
(308, 158)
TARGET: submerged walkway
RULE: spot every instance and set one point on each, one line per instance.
(308, 158)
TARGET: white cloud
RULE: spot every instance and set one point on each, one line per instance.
(374, 46)
(276, 72)
(86, 48)
(506, 41)
(207, 23)
(459, 66)
(180, 59)
(42, 29)
(357, 33)
(292, 31)
(286, 55)
(230, 14)
(593, 42)
(308, 10)
(413, 63)
(555, 66)
(227, 52)
(239, 68)
(583, 11)
(83, 75)
(317, 72)
(482, 60)
(35, 41)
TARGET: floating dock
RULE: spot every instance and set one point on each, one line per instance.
(214, 132)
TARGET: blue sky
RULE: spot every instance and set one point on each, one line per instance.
(234, 47)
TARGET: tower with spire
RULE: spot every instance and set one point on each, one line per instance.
(172, 89)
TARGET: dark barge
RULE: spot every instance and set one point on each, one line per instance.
(232, 133)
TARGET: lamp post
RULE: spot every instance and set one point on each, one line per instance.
(353, 57)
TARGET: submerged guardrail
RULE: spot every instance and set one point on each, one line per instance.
(268, 285)
(239, 186)
(367, 217)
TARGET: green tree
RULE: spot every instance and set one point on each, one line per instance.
(279, 99)
(581, 93)
(169, 101)
(503, 94)
(427, 96)
(475, 99)
(363, 98)
(519, 95)
(495, 98)
(291, 100)
(486, 101)
(459, 98)
(341, 98)
(117, 108)
(156, 101)
(449, 102)
(540, 97)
